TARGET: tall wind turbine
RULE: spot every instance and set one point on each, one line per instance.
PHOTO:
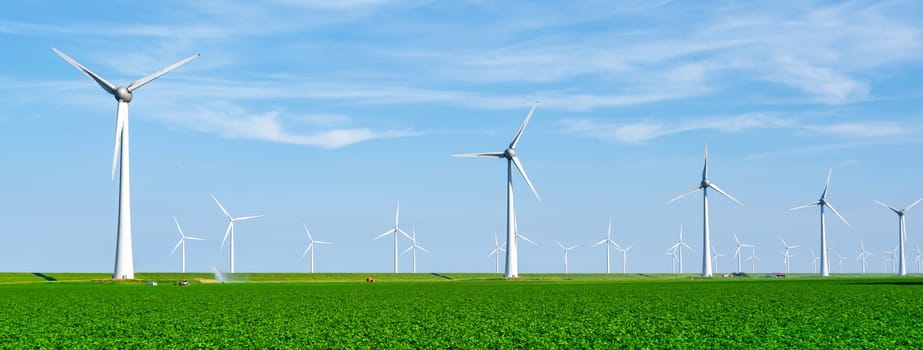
(787, 253)
(124, 262)
(609, 243)
(395, 231)
(737, 253)
(823, 203)
(706, 236)
(566, 250)
(624, 257)
(864, 256)
(512, 253)
(498, 248)
(182, 243)
(902, 234)
(678, 248)
(414, 245)
(312, 245)
(230, 231)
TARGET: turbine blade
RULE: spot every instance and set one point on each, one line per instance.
(836, 212)
(322, 242)
(221, 206)
(559, 245)
(120, 119)
(247, 218)
(913, 204)
(805, 206)
(423, 249)
(98, 79)
(888, 207)
(226, 234)
(705, 167)
(735, 237)
(479, 155)
(523, 126)
(719, 190)
(308, 232)
(522, 171)
(180, 229)
(385, 234)
(177, 246)
(526, 239)
(601, 242)
(408, 249)
(690, 191)
(310, 245)
(193, 238)
(140, 82)
(827, 185)
(406, 235)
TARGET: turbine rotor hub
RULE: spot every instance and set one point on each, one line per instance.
(122, 94)
(509, 153)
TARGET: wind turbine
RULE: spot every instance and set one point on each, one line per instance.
(624, 257)
(823, 203)
(609, 243)
(714, 257)
(182, 243)
(414, 246)
(843, 260)
(124, 262)
(787, 253)
(753, 259)
(566, 250)
(737, 252)
(893, 257)
(395, 231)
(814, 261)
(672, 253)
(496, 252)
(512, 253)
(864, 256)
(706, 236)
(312, 245)
(902, 233)
(230, 231)
(919, 259)
(678, 248)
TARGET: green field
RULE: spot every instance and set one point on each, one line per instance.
(459, 311)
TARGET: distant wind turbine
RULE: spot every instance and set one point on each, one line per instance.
(823, 203)
(753, 260)
(395, 231)
(512, 253)
(414, 245)
(671, 252)
(182, 243)
(678, 248)
(786, 253)
(706, 236)
(124, 262)
(843, 260)
(919, 259)
(624, 257)
(498, 248)
(714, 257)
(814, 262)
(737, 253)
(312, 245)
(566, 250)
(609, 243)
(230, 231)
(902, 233)
(864, 256)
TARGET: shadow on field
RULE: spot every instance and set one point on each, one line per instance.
(44, 276)
(894, 283)
(442, 276)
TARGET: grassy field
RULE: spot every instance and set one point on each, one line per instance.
(460, 311)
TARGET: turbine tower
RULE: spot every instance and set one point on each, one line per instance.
(706, 239)
(512, 253)
(496, 252)
(566, 250)
(414, 245)
(902, 234)
(312, 245)
(609, 243)
(737, 252)
(182, 243)
(230, 231)
(823, 203)
(395, 231)
(124, 262)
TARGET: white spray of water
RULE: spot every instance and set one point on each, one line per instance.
(218, 275)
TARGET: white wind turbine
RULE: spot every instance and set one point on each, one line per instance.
(566, 250)
(182, 243)
(787, 253)
(395, 231)
(892, 255)
(609, 243)
(124, 262)
(919, 259)
(714, 257)
(498, 248)
(902, 233)
(678, 248)
(737, 253)
(414, 245)
(823, 203)
(230, 230)
(864, 256)
(753, 260)
(814, 261)
(312, 245)
(671, 252)
(843, 260)
(706, 236)
(512, 253)
(624, 257)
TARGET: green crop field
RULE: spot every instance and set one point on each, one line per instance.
(459, 311)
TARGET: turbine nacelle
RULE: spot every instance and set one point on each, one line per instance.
(122, 94)
(509, 153)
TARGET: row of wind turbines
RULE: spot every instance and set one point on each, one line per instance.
(124, 266)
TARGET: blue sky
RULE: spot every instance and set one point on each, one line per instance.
(329, 113)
